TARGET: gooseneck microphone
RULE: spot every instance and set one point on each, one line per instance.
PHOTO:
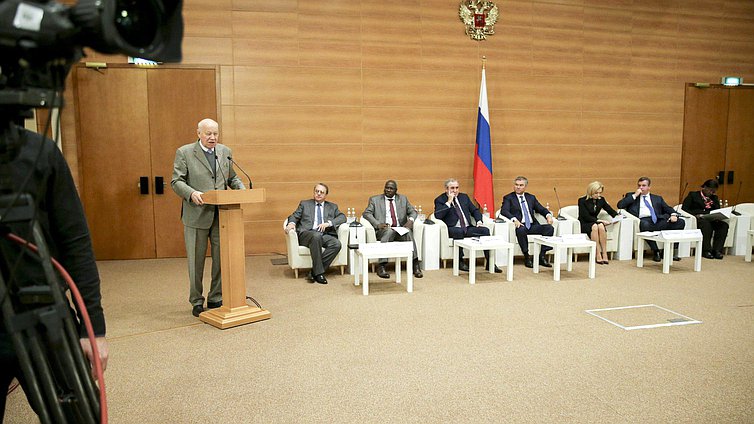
(683, 193)
(559, 218)
(240, 169)
(225, 180)
(735, 204)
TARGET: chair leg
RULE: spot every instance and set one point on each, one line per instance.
(295, 272)
(342, 270)
(444, 264)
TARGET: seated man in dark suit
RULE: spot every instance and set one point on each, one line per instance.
(700, 204)
(387, 211)
(519, 206)
(653, 213)
(316, 222)
(456, 210)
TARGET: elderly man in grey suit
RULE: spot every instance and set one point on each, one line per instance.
(386, 212)
(201, 166)
(316, 222)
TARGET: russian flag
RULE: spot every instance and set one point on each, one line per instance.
(483, 192)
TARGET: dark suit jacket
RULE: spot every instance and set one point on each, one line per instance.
(304, 216)
(588, 213)
(448, 214)
(511, 207)
(376, 214)
(694, 204)
(631, 205)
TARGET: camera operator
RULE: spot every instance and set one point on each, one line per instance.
(33, 164)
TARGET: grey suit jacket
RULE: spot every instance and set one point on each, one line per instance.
(376, 214)
(304, 216)
(192, 172)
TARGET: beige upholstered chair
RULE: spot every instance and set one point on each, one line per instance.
(571, 214)
(512, 231)
(300, 256)
(446, 243)
(746, 209)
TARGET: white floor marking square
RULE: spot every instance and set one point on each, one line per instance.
(679, 320)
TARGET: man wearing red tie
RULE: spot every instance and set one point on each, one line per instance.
(386, 212)
(456, 210)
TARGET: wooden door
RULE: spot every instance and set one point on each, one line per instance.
(112, 121)
(705, 126)
(131, 121)
(739, 158)
(178, 100)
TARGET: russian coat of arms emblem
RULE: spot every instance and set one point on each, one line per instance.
(479, 16)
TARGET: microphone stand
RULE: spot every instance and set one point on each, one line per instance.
(734, 212)
(225, 180)
(559, 218)
(240, 169)
(682, 194)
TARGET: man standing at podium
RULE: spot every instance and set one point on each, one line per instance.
(202, 166)
(316, 222)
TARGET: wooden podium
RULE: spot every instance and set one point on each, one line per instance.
(235, 311)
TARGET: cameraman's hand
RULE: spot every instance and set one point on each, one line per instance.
(104, 353)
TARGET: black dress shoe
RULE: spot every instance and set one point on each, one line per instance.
(417, 270)
(676, 258)
(463, 267)
(544, 262)
(213, 305)
(498, 270)
(320, 279)
(718, 255)
(709, 255)
(528, 263)
(382, 272)
(656, 256)
(196, 310)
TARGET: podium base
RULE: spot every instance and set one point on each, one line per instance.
(224, 317)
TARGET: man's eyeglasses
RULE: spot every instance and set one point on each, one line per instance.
(320, 192)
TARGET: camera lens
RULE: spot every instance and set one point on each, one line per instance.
(137, 22)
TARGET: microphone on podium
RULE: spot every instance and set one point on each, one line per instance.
(559, 218)
(240, 169)
(220, 168)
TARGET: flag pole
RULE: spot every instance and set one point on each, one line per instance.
(484, 62)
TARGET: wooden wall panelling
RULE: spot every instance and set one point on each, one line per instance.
(297, 86)
(214, 50)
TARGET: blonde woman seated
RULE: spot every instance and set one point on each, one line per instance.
(590, 207)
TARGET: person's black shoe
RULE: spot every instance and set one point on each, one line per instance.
(196, 310)
(676, 258)
(709, 255)
(656, 256)
(320, 279)
(418, 270)
(528, 262)
(463, 267)
(544, 262)
(718, 255)
(310, 277)
(382, 272)
(213, 305)
(498, 270)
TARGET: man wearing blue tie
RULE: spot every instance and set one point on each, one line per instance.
(520, 206)
(653, 213)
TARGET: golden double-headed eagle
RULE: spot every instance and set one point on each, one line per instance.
(479, 16)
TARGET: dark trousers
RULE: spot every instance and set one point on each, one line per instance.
(457, 233)
(316, 241)
(541, 229)
(708, 228)
(646, 224)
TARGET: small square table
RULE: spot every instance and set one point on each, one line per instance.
(394, 249)
(475, 244)
(559, 243)
(667, 238)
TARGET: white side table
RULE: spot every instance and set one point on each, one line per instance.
(749, 242)
(356, 236)
(560, 244)
(501, 230)
(476, 244)
(395, 249)
(667, 238)
(431, 247)
(740, 236)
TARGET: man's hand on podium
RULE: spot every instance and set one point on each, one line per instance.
(196, 197)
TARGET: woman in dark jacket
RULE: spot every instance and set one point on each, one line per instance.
(590, 207)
